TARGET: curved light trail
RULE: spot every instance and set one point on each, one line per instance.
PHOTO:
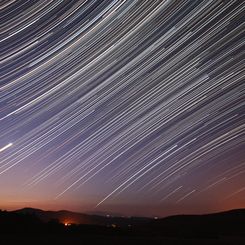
(126, 101)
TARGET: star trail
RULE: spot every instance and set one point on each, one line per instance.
(113, 104)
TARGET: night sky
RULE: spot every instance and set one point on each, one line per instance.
(125, 106)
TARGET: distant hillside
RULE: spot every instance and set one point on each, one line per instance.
(64, 216)
(224, 223)
(25, 227)
(219, 224)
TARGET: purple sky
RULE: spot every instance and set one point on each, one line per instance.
(130, 107)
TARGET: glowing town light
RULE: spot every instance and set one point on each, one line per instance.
(67, 224)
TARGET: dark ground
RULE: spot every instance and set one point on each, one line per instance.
(76, 239)
(227, 228)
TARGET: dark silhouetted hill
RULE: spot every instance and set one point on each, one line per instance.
(230, 223)
(64, 216)
(35, 226)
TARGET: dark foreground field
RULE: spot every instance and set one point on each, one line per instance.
(227, 228)
(76, 239)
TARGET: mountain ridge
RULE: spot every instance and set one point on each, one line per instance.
(66, 216)
(219, 224)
